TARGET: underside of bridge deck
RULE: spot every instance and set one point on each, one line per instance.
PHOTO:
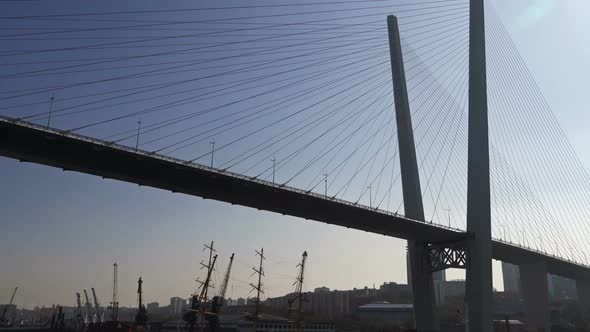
(26, 142)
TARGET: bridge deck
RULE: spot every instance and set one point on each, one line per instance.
(28, 142)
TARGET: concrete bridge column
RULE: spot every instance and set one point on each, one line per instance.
(479, 300)
(583, 290)
(535, 293)
(422, 283)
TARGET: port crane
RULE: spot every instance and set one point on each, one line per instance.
(88, 317)
(218, 301)
(99, 316)
(3, 317)
(141, 317)
(299, 295)
(79, 318)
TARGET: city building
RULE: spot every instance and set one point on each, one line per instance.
(177, 305)
(561, 288)
(322, 302)
(329, 304)
(153, 306)
(455, 288)
(283, 325)
(507, 305)
(395, 293)
(9, 307)
(439, 279)
(280, 303)
(511, 278)
(241, 301)
(384, 311)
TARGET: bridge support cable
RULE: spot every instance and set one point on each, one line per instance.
(538, 149)
(306, 78)
(515, 188)
(460, 112)
(308, 126)
(290, 115)
(437, 100)
(361, 165)
(194, 138)
(446, 105)
(370, 119)
(450, 100)
(329, 146)
(234, 83)
(436, 9)
(276, 102)
(522, 218)
(192, 80)
(422, 282)
(427, 79)
(206, 92)
(364, 138)
(501, 167)
(129, 76)
(447, 87)
(514, 191)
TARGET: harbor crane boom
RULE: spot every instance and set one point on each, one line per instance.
(99, 316)
(88, 308)
(223, 288)
(2, 318)
(218, 301)
(79, 319)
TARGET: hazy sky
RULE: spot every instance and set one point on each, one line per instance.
(61, 232)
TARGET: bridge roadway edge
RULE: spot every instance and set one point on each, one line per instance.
(31, 143)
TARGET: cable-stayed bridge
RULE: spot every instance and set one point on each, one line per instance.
(290, 110)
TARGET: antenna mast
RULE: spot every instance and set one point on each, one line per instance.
(206, 284)
(139, 291)
(258, 288)
(115, 304)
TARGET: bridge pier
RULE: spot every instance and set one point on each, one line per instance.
(583, 292)
(421, 277)
(535, 293)
(479, 264)
(422, 285)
